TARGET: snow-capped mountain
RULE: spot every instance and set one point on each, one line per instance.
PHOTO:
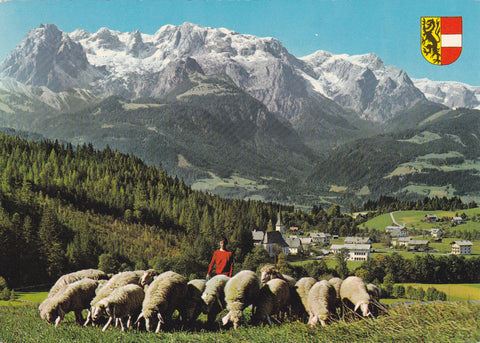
(362, 83)
(137, 65)
(450, 93)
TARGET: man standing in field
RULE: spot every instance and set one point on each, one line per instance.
(222, 259)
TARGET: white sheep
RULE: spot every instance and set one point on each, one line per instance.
(273, 297)
(117, 280)
(269, 272)
(336, 282)
(353, 293)
(147, 277)
(65, 280)
(240, 291)
(75, 297)
(302, 287)
(164, 295)
(214, 297)
(124, 302)
(321, 303)
(193, 303)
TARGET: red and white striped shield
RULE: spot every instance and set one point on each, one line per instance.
(441, 39)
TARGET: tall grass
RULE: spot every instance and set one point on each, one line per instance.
(433, 322)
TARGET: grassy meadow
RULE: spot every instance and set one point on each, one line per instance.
(418, 322)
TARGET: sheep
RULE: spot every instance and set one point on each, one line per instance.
(163, 296)
(214, 297)
(147, 277)
(75, 297)
(240, 292)
(193, 303)
(125, 301)
(272, 298)
(353, 292)
(117, 280)
(374, 291)
(321, 303)
(270, 272)
(302, 287)
(65, 280)
(375, 294)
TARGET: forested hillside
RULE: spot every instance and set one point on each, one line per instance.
(64, 208)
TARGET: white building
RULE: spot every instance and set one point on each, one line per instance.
(461, 247)
(356, 252)
(320, 237)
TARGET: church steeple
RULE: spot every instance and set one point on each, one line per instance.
(279, 226)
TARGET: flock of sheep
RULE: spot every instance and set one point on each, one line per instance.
(147, 299)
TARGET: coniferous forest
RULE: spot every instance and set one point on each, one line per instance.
(65, 208)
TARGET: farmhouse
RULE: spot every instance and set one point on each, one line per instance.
(431, 218)
(457, 220)
(357, 240)
(257, 237)
(396, 231)
(461, 247)
(356, 252)
(411, 244)
(294, 245)
(436, 232)
(320, 237)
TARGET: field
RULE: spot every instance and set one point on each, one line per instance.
(460, 292)
(420, 322)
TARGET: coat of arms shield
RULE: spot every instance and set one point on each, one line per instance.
(441, 39)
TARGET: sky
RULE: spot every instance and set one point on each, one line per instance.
(390, 29)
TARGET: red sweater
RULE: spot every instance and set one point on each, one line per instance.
(223, 261)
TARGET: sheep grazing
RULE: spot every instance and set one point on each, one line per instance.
(272, 298)
(75, 297)
(193, 303)
(147, 277)
(269, 272)
(124, 302)
(302, 287)
(117, 280)
(375, 295)
(336, 282)
(67, 279)
(214, 297)
(353, 293)
(165, 294)
(240, 292)
(374, 291)
(321, 303)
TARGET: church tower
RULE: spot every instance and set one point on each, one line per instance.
(279, 226)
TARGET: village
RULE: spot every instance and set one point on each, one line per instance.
(317, 245)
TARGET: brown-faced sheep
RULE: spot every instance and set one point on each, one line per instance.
(354, 295)
(214, 297)
(75, 297)
(269, 272)
(240, 291)
(123, 303)
(164, 295)
(273, 297)
(321, 303)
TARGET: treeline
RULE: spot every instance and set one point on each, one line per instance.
(425, 268)
(386, 204)
(64, 208)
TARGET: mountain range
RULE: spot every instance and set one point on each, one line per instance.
(240, 116)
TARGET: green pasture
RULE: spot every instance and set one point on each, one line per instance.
(417, 219)
(454, 292)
